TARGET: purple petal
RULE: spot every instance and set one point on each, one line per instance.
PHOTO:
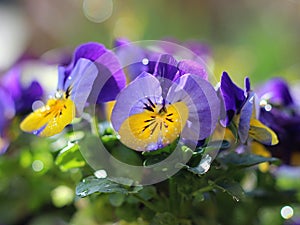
(81, 81)
(200, 49)
(29, 95)
(23, 96)
(110, 79)
(166, 67)
(11, 81)
(245, 117)
(247, 84)
(276, 91)
(202, 102)
(131, 56)
(192, 67)
(7, 109)
(120, 42)
(233, 97)
(130, 99)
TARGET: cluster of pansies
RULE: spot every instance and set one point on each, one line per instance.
(154, 99)
(163, 99)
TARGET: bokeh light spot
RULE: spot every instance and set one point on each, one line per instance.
(287, 212)
(97, 10)
(37, 165)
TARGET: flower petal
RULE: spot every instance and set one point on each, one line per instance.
(50, 119)
(148, 131)
(233, 98)
(80, 83)
(245, 117)
(111, 78)
(262, 133)
(276, 91)
(7, 109)
(192, 67)
(130, 100)
(202, 102)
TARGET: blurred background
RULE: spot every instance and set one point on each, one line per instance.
(255, 38)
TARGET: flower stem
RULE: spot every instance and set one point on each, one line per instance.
(173, 196)
(95, 126)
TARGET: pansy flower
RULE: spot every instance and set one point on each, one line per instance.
(240, 112)
(278, 110)
(93, 68)
(155, 109)
(7, 112)
(23, 95)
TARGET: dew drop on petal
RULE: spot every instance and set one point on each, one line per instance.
(145, 61)
(268, 107)
(37, 104)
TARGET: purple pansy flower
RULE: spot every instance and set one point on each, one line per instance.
(93, 75)
(23, 95)
(7, 112)
(240, 111)
(155, 109)
(279, 111)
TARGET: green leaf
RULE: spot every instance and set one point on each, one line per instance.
(92, 185)
(164, 219)
(148, 192)
(231, 187)
(116, 199)
(126, 155)
(70, 157)
(201, 168)
(244, 160)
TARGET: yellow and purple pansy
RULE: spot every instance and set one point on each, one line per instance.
(175, 101)
(240, 111)
(92, 73)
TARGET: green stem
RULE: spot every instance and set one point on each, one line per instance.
(95, 126)
(173, 196)
(147, 203)
(205, 189)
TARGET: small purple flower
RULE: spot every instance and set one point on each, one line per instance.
(279, 111)
(23, 96)
(7, 112)
(175, 100)
(240, 111)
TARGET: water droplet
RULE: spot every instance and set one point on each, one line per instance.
(145, 61)
(84, 193)
(268, 107)
(235, 198)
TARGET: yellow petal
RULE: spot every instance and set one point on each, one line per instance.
(262, 133)
(259, 149)
(144, 130)
(50, 119)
